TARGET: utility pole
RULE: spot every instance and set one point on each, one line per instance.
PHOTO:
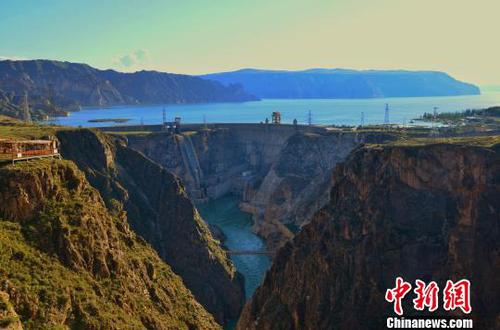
(164, 116)
(386, 114)
(434, 130)
(362, 123)
(309, 118)
(25, 108)
(435, 112)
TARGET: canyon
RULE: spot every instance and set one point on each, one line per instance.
(281, 173)
(68, 261)
(425, 212)
(117, 229)
(159, 211)
(343, 211)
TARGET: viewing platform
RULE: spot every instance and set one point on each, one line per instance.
(17, 150)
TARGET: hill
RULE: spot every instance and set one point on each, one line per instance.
(54, 87)
(67, 261)
(339, 83)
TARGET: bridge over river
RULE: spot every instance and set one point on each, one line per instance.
(250, 252)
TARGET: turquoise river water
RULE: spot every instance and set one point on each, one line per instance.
(236, 225)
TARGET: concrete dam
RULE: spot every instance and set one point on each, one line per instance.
(281, 173)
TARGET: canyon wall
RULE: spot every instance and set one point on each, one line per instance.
(420, 212)
(159, 210)
(281, 172)
(68, 261)
(216, 161)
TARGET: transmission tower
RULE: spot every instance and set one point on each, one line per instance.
(434, 130)
(386, 115)
(435, 112)
(362, 123)
(25, 108)
(164, 116)
(309, 118)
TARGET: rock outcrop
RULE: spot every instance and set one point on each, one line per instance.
(420, 212)
(68, 261)
(9, 320)
(298, 183)
(159, 210)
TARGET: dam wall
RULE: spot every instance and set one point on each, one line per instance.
(280, 172)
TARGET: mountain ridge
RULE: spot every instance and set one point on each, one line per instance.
(344, 83)
(55, 87)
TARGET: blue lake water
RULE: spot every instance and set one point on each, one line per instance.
(324, 111)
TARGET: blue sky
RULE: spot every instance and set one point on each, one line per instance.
(456, 36)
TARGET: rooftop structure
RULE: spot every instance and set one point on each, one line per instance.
(16, 150)
(276, 117)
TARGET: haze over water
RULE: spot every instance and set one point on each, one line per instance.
(324, 111)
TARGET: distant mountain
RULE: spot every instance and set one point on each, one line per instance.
(54, 86)
(340, 83)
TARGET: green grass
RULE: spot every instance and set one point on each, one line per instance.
(129, 133)
(13, 129)
(483, 141)
(49, 259)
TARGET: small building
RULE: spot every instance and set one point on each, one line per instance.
(276, 117)
(16, 150)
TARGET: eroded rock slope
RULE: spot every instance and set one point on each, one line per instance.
(159, 210)
(427, 212)
(67, 261)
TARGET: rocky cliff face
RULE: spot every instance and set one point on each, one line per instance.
(211, 161)
(298, 183)
(54, 86)
(282, 173)
(427, 212)
(68, 261)
(159, 210)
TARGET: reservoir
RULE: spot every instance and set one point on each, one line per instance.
(236, 225)
(323, 111)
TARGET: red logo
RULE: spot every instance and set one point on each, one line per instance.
(455, 295)
(397, 294)
(427, 296)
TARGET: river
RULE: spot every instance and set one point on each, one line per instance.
(323, 111)
(236, 225)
